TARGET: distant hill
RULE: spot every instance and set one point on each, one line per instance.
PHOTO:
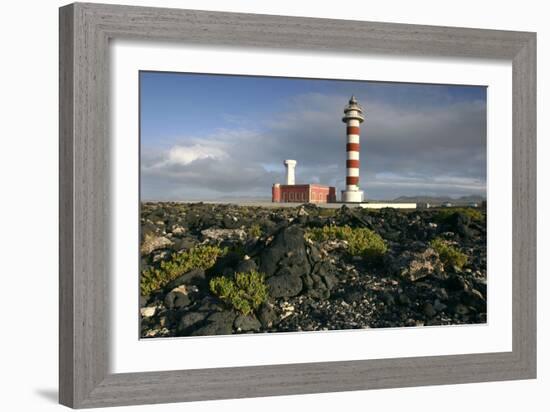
(440, 199)
(242, 199)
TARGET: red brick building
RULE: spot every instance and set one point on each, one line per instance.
(311, 193)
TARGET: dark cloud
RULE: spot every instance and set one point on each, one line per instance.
(405, 150)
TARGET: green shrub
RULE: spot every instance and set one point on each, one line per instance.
(443, 215)
(255, 231)
(361, 241)
(200, 257)
(245, 291)
(449, 255)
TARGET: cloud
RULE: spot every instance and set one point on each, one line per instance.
(406, 149)
(183, 155)
(216, 165)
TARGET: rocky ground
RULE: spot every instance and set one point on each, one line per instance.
(313, 285)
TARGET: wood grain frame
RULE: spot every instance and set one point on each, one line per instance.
(85, 31)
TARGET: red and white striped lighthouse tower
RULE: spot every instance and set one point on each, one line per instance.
(353, 117)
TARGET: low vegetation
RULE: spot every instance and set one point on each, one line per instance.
(255, 231)
(245, 292)
(449, 254)
(200, 257)
(444, 215)
(361, 241)
(327, 212)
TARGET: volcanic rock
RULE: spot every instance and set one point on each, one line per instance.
(312, 285)
(458, 223)
(246, 266)
(193, 277)
(284, 286)
(190, 319)
(147, 312)
(177, 298)
(152, 243)
(247, 323)
(417, 265)
(224, 234)
(267, 315)
(218, 323)
(429, 310)
(288, 243)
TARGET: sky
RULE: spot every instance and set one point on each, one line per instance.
(208, 137)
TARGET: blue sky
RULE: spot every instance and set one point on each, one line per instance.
(215, 136)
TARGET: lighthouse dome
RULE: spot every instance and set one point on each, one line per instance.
(353, 110)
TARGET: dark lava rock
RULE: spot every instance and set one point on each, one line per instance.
(267, 315)
(404, 299)
(177, 298)
(183, 243)
(289, 242)
(230, 222)
(314, 285)
(461, 309)
(348, 216)
(429, 310)
(246, 266)
(388, 298)
(481, 285)
(353, 296)
(289, 269)
(193, 277)
(285, 263)
(458, 222)
(210, 304)
(473, 297)
(321, 281)
(314, 254)
(143, 301)
(393, 235)
(456, 282)
(226, 264)
(325, 271)
(441, 294)
(190, 319)
(438, 306)
(247, 323)
(218, 323)
(284, 286)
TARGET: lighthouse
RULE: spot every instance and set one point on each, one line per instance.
(290, 167)
(353, 117)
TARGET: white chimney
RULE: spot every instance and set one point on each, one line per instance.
(290, 166)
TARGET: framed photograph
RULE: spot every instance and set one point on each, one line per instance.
(256, 205)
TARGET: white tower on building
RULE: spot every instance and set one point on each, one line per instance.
(290, 166)
(353, 117)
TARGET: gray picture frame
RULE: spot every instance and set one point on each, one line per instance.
(85, 32)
